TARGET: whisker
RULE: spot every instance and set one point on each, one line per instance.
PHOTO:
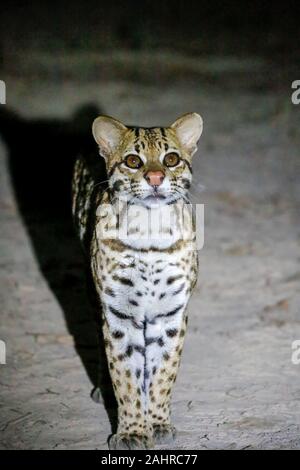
(198, 188)
(100, 182)
(195, 197)
(191, 195)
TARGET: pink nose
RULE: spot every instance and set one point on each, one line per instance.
(154, 178)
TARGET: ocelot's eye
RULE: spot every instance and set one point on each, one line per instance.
(171, 159)
(133, 161)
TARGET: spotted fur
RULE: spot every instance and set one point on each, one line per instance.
(144, 281)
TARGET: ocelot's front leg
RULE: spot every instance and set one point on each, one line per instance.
(126, 355)
(164, 376)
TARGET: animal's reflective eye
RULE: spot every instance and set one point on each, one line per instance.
(133, 161)
(171, 159)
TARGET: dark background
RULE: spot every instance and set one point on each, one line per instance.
(194, 27)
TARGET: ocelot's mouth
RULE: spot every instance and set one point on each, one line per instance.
(155, 197)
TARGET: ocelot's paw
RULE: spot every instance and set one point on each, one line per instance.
(125, 441)
(164, 433)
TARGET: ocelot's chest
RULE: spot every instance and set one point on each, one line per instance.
(144, 283)
(143, 263)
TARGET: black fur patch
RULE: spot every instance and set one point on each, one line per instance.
(123, 280)
(172, 312)
(172, 279)
(118, 334)
(117, 185)
(119, 314)
(172, 332)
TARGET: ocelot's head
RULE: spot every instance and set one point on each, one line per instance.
(148, 165)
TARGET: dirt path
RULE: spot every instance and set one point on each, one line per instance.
(237, 386)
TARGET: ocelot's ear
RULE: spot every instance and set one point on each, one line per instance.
(108, 133)
(188, 129)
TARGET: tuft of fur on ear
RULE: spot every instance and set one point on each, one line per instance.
(107, 132)
(188, 129)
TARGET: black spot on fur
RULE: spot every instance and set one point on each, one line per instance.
(118, 334)
(180, 289)
(129, 350)
(117, 185)
(138, 326)
(172, 279)
(123, 280)
(119, 314)
(139, 349)
(172, 312)
(109, 291)
(172, 332)
(188, 165)
(186, 183)
(163, 132)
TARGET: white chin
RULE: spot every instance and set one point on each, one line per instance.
(155, 200)
(152, 200)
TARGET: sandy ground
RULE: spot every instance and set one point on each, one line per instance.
(237, 387)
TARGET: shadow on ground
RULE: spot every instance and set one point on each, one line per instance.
(41, 158)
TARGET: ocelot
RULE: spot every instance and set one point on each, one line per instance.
(139, 237)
